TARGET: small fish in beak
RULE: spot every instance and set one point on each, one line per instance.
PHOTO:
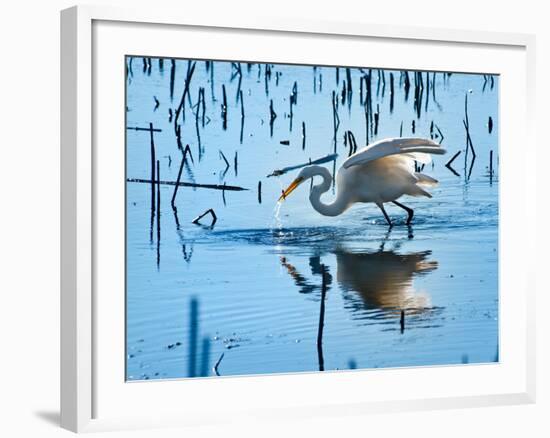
(291, 188)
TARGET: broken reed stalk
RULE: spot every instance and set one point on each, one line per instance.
(427, 91)
(407, 85)
(402, 321)
(441, 136)
(172, 77)
(368, 105)
(236, 163)
(158, 213)
(203, 105)
(242, 103)
(259, 192)
(153, 161)
(227, 166)
(303, 135)
(469, 139)
(335, 118)
(376, 119)
(181, 105)
(491, 164)
(452, 159)
(449, 163)
(291, 114)
(209, 211)
(137, 128)
(187, 184)
(272, 117)
(466, 122)
(242, 117)
(321, 320)
(176, 186)
(391, 92)
(215, 369)
(314, 79)
(197, 112)
(294, 95)
(349, 139)
(348, 80)
(212, 81)
(224, 108)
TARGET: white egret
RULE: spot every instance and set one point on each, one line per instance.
(379, 173)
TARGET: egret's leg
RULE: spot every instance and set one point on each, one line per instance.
(409, 211)
(381, 207)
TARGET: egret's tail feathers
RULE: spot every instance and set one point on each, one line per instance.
(425, 180)
(416, 190)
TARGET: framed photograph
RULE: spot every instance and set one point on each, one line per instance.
(281, 218)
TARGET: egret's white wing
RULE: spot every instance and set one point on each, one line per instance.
(416, 148)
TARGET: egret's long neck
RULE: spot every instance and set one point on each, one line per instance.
(339, 205)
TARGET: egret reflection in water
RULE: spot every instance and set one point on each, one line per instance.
(382, 279)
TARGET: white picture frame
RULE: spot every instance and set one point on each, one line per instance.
(83, 317)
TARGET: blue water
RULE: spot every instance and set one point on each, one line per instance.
(245, 296)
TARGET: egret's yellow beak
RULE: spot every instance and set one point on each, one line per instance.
(291, 188)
